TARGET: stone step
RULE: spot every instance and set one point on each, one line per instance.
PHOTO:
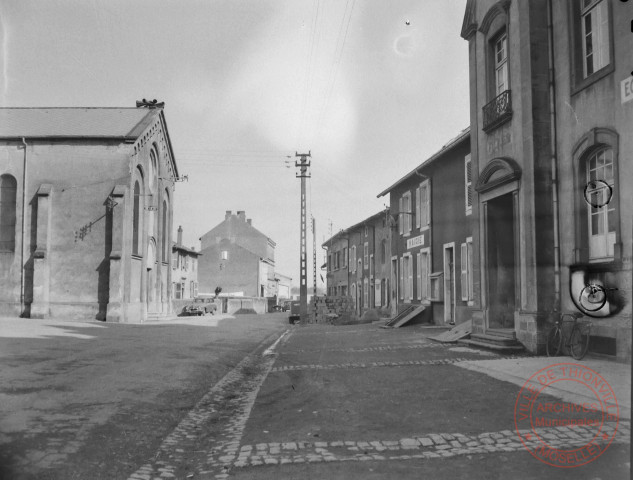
(494, 339)
(491, 346)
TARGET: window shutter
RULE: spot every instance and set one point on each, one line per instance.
(401, 277)
(419, 265)
(469, 248)
(400, 225)
(468, 182)
(417, 207)
(410, 277)
(464, 276)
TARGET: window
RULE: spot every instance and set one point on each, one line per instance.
(423, 274)
(366, 255)
(500, 51)
(602, 215)
(424, 202)
(136, 220)
(366, 230)
(366, 293)
(8, 205)
(435, 285)
(164, 239)
(405, 214)
(352, 258)
(467, 270)
(371, 265)
(595, 36)
(468, 184)
(185, 265)
(344, 257)
(408, 277)
(224, 255)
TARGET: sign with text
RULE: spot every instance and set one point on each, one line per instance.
(415, 242)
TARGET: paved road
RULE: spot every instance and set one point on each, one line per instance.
(96, 400)
(245, 400)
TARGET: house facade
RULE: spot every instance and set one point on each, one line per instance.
(432, 242)
(358, 264)
(184, 270)
(237, 258)
(337, 272)
(551, 121)
(86, 202)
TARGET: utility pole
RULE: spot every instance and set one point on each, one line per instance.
(303, 164)
(314, 279)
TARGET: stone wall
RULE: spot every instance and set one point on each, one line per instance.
(342, 307)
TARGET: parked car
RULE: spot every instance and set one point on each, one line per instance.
(295, 313)
(192, 310)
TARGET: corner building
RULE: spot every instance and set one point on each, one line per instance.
(551, 123)
(86, 202)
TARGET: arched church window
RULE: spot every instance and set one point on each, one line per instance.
(8, 191)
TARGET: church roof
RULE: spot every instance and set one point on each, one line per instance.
(75, 122)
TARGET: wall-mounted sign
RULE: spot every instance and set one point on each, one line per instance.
(415, 242)
(626, 87)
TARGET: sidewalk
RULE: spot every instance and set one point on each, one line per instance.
(518, 371)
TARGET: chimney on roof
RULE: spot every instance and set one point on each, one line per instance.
(179, 242)
(241, 214)
(227, 214)
(249, 221)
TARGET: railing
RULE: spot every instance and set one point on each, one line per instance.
(498, 111)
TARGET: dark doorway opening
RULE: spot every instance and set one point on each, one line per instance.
(501, 262)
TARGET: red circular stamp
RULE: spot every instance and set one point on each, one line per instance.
(566, 433)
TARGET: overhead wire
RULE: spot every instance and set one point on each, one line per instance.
(335, 65)
(309, 70)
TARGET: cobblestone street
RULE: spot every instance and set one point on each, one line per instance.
(316, 401)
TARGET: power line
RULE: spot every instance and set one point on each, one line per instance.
(335, 65)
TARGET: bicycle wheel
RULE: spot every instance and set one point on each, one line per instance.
(593, 297)
(578, 342)
(554, 341)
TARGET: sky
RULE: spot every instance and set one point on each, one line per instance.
(370, 87)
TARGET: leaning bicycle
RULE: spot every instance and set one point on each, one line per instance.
(576, 342)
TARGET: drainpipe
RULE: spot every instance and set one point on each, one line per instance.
(22, 266)
(552, 113)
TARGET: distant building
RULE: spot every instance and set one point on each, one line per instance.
(237, 258)
(284, 286)
(184, 270)
(88, 236)
(432, 241)
(551, 120)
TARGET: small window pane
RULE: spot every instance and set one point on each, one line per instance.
(612, 220)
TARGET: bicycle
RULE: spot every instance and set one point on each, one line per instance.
(577, 342)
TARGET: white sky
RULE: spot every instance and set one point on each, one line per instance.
(247, 83)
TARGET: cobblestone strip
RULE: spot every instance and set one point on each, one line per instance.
(235, 395)
(442, 361)
(417, 447)
(382, 348)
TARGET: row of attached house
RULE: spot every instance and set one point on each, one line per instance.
(509, 221)
(358, 263)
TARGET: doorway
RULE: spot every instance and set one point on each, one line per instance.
(500, 259)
